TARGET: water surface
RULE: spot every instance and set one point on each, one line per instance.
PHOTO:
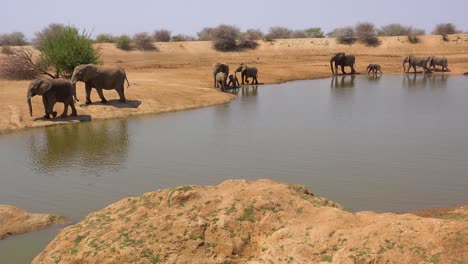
(384, 143)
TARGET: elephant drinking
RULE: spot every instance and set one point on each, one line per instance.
(52, 91)
(342, 60)
(247, 72)
(100, 77)
(217, 68)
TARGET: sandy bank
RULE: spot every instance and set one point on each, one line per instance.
(178, 76)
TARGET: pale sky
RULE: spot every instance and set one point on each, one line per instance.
(188, 17)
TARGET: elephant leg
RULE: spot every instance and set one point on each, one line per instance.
(101, 95)
(353, 71)
(342, 69)
(72, 105)
(88, 88)
(45, 102)
(121, 94)
(255, 80)
(65, 110)
(243, 78)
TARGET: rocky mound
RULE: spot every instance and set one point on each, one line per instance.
(263, 221)
(14, 221)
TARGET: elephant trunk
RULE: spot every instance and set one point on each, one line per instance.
(331, 67)
(30, 105)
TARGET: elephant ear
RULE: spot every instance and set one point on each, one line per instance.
(40, 87)
(89, 72)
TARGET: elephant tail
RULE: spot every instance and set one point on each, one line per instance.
(125, 75)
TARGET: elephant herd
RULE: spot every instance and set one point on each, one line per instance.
(64, 91)
(343, 60)
(221, 76)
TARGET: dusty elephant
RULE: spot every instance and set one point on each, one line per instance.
(374, 68)
(52, 91)
(342, 60)
(247, 72)
(438, 61)
(221, 79)
(100, 77)
(415, 62)
(217, 68)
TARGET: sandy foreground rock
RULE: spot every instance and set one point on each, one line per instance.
(179, 75)
(262, 221)
(15, 221)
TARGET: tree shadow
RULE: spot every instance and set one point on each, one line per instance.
(115, 103)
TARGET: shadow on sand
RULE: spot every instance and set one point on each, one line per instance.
(115, 103)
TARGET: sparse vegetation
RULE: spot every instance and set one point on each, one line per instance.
(344, 35)
(123, 42)
(143, 41)
(162, 35)
(393, 30)
(252, 34)
(445, 29)
(205, 34)
(18, 64)
(413, 34)
(49, 32)
(13, 39)
(367, 34)
(278, 33)
(224, 37)
(181, 37)
(105, 38)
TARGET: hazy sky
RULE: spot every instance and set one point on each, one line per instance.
(189, 17)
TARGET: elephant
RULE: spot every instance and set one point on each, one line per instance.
(415, 61)
(439, 61)
(221, 78)
(52, 91)
(246, 73)
(374, 68)
(340, 59)
(219, 67)
(233, 80)
(100, 77)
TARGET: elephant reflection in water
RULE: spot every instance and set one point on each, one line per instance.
(248, 90)
(342, 81)
(374, 77)
(92, 145)
(414, 81)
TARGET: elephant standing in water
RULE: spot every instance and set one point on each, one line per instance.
(217, 68)
(246, 73)
(221, 79)
(52, 91)
(415, 62)
(100, 77)
(340, 59)
(439, 61)
(374, 68)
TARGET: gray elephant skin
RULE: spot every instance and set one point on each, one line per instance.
(52, 91)
(414, 62)
(438, 61)
(233, 81)
(247, 72)
(342, 60)
(100, 77)
(221, 78)
(217, 68)
(374, 68)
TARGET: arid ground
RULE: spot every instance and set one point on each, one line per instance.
(178, 76)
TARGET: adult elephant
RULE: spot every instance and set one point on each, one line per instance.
(100, 77)
(342, 60)
(438, 61)
(217, 68)
(221, 79)
(247, 72)
(415, 62)
(52, 91)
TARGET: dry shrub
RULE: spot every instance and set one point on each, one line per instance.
(51, 31)
(344, 35)
(279, 33)
(314, 32)
(143, 41)
(413, 34)
(181, 37)
(253, 34)
(105, 38)
(162, 35)
(7, 50)
(393, 30)
(13, 39)
(205, 34)
(19, 65)
(123, 42)
(247, 43)
(366, 34)
(224, 37)
(445, 29)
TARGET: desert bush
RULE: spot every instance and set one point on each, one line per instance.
(13, 39)
(314, 32)
(445, 29)
(6, 50)
(105, 38)
(252, 34)
(366, 34)
(224, 37)
(48, 32)
(393, 30)
(279, 33)
(343, 35)
(181, 37)
(123, 42)
(298, 34)
(162, 35)
(247, 43)
(413, 34)
(205, 34)
(143, 41)
(18, 64)
(68, 49)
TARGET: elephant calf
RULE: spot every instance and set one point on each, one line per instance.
(217, 68)
(374, 68)
(221, 79)
(52, 91)
(233, 80)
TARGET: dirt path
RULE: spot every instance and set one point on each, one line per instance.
(178, 76)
